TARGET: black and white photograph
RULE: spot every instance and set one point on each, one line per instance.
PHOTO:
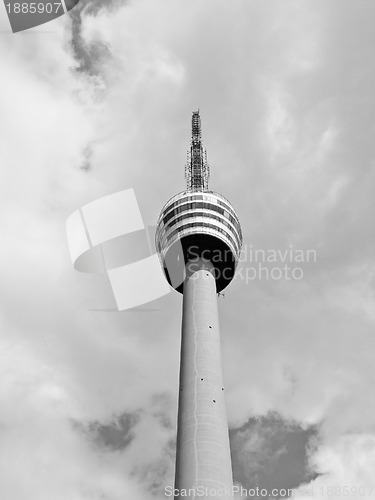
(187, 220)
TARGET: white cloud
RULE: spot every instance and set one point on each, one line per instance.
(286, 97)
(346, 466)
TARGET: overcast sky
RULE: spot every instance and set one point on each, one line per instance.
(100, 101)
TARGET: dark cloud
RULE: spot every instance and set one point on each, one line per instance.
(87, 155)
(269, 452)
(89, 56)
(114, 435)
(154, 470)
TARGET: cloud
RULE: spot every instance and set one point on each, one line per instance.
(346, 469)
(42, 457)
(89, 56)
(271, 453)
(103, 103)
(115, 435)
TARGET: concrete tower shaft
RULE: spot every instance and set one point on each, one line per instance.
(203, 461)
(198, 239)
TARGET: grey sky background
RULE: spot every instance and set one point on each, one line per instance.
(100, 101)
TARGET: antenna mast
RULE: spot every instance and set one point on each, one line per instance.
(197, 171)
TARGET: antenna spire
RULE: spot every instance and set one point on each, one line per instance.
(197, 171)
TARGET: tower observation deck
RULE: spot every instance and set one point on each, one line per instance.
(198, 239)
(197, 223)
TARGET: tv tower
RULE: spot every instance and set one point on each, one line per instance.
(198, 239)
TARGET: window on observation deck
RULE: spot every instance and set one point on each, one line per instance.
(200, 205)
(193, 215)
(215, 228)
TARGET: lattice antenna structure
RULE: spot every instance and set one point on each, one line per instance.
(197, 171)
